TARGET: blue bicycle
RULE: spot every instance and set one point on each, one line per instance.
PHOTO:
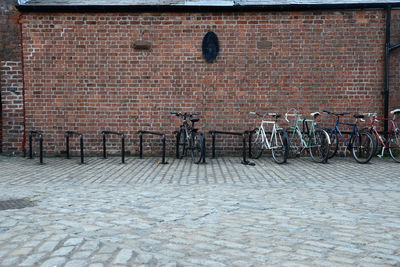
(361, 144)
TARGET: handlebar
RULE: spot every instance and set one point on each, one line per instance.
(336, 114)
(178, 114)
(266, 114)
(290, 115)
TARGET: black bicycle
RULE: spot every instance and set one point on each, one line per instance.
(188, 137)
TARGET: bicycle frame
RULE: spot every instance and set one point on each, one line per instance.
(267, 143)
(354, 133)
(310, 132)
(393, 128)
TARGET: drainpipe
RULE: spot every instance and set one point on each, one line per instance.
(23, 85)
(387, 58)
(388, 49)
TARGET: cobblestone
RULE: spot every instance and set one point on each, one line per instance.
(220, 214)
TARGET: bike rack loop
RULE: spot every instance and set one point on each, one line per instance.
(244, 160)
(141, 133)
(31, 133)
(122, 144)
(68, 133)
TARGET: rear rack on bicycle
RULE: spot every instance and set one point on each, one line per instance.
(243, 134)
(141, 133)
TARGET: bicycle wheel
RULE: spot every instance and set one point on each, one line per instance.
(394, 144)
(375, 138)
(257, 145)
(182, 143)
(363, 147)
(334, 144)
(319, 146)
(280, 147)
(197, 147)
(294, 143)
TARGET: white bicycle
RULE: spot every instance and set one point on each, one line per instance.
(276, 140)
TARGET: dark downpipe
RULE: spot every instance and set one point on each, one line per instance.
(387, 58)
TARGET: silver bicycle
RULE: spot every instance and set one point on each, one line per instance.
(275, 140)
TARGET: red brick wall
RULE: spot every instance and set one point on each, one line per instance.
(82, 72)
(11, 93)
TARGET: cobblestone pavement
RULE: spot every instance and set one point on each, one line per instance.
(220, 214)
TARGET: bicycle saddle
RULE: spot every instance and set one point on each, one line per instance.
(396, 111)
(194, 119)
(275, 115)
(315, 114)
(359, 116)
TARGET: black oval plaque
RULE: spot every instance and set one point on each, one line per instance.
(210, 47)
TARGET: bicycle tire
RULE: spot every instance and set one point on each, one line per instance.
(280, 147)
(394, 143)
(294, 142)
(334, 144)
(257, 145)
(197, 147)
(319, 146)
(375, 138)
(182, 143)
(363, 147)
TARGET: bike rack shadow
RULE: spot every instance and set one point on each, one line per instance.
(141, 133)
(67, 135)
(31, 134)
(105, 133)
(243, 134)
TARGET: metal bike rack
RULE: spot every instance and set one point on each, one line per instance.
(122, 144)
(243, 134)
(141, 133)
(67, 134)
(177, 136)
(31, 133)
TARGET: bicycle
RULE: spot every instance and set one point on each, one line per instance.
(313, 138)
(277, 143)
(361, 143)
(392, 140)
(189, 138)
